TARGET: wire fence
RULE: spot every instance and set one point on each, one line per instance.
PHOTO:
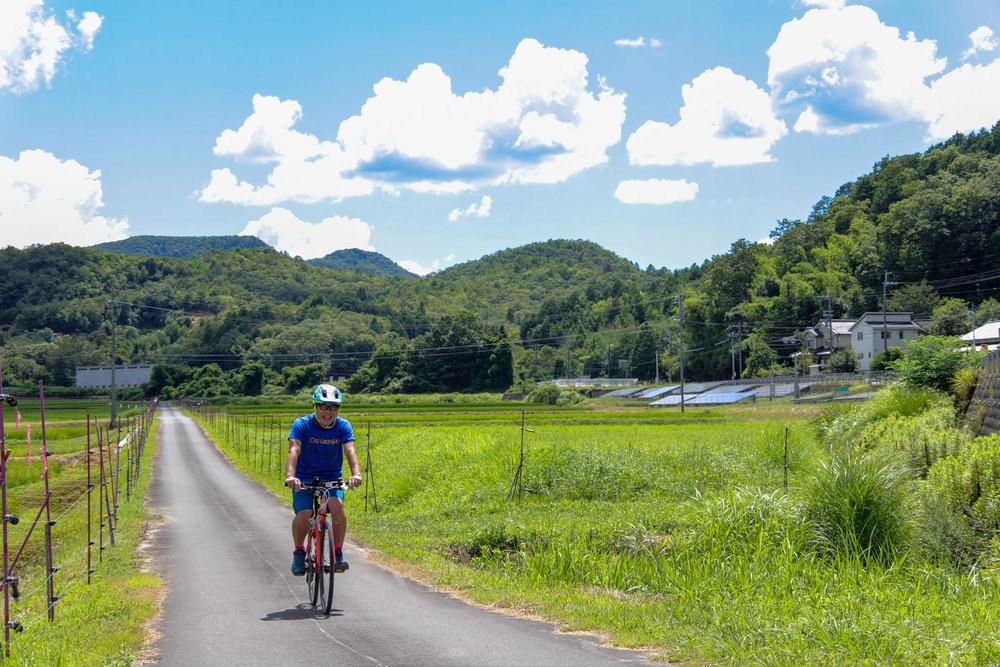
(260, 441)
(113, 460)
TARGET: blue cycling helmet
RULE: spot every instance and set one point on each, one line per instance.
(327, 394)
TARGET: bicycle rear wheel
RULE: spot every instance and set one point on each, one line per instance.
(326, 572)
(313, 580)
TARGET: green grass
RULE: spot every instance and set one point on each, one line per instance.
(97, 623)
(665, 531)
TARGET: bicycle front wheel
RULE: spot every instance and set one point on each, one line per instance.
(326, 572)
(313, 580)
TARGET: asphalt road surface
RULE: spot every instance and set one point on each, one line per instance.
(225, 552)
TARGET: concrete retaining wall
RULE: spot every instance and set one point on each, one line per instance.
(983, 414)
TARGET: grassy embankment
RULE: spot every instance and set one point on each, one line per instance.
(100, 623)
(659, 530)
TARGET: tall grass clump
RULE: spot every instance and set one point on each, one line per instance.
(748, 521)
(860, 505)
(921, 439)
(960, 506)
(588, 474)
(845, 428)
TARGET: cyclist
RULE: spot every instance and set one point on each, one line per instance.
(317, 444)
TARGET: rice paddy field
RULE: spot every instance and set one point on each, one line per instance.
(731, 536)
(104, 599)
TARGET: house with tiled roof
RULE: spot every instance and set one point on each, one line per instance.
(875, 332)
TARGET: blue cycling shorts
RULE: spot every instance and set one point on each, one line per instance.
(303, 498)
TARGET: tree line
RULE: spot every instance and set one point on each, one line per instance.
(252, 320)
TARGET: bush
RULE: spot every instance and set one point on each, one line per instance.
(859, 505)
(963, 386)
(550, 394)
(844, 361)
(932, 361)
(547, 394)
(884, 360)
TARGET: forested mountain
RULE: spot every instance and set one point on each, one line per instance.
(252, 320)
(183, 247)
(365, 261)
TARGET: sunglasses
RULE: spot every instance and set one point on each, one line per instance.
(325, 406)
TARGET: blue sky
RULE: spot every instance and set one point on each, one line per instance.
(438, 132)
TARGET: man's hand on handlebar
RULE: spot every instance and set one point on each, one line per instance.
(293, 483)
(354, 481)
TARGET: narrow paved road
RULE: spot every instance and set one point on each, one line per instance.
(224, 551)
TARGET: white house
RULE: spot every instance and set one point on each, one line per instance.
(822, 343)
(985, 337)
(870, 334)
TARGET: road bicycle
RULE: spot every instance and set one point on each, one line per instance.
(320, 558)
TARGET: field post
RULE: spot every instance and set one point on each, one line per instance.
(8, 581)
(786, 458)
(49, 568)
(109, 487)
(369, 469)
(517, 484)
(265, 446)
(130, 436)
(100, 496)
(90, 510)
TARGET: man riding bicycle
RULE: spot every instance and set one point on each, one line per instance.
(317, 444)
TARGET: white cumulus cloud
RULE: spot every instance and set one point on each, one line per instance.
(842, 70)
(421, 270)
(726, 120)
(655, 191)
(964, 99)
(46, 200)
(827, 4)
(33, 42)
(983, 40)
(639, 42)
(542, 124)
(480, 210)
(282, 230)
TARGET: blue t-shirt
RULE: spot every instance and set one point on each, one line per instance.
(322, 453)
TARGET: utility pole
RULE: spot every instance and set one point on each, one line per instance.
(114, 363)
(732, 353)
(739, 348)
(682, 349)
(885, 337)
(973, 327)
(829, 323)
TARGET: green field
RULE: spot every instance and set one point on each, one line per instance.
(674, 532)
(96, 622)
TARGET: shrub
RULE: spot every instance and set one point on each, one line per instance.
(963, 385)
(547, 394)
(932, 361)
(884, 360)
(844, 361)
(859, 505)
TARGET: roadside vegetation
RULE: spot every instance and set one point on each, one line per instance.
(678, 533)
(97, 623)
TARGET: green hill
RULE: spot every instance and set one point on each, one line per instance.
(365, 261)
(183, 247)
(931, 221)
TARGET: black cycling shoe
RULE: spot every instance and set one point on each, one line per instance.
(341, 564)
